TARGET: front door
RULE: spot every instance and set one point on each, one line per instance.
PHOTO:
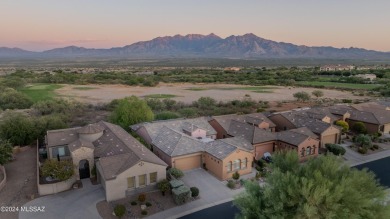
(84, 169)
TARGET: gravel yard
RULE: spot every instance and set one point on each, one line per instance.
(21, 181)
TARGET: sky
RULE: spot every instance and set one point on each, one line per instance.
(45, 24)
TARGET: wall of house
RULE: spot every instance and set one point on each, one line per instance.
(199, 133)
(386, 128)
(83, 153)
(189, 158)
(264, 125)
(144, 135)
(238, 154)
(260, 149)
(281, 122)
(310, 142)
(220, 130)
(117, 188)
(371, 128)
(163, 156)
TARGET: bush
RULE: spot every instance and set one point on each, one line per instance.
(166, 115)
(119, 210)
(231, 184)
(144, 212)
(60, 170)
(236, 175)
(362, 150)
(148, 204)
(359, 127)
(258, 168)
(141, 197)
(344, 125)
(335, 149)
(194, 191)
(5, 151)
(258, 175)
(133, 203)
(163, 186)
(176, 173)
(375, 146)
(261, 163)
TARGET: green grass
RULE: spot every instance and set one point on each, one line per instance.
(197, 88)
(85, 88)
(160, 96)
(338, 85)
(38, 92)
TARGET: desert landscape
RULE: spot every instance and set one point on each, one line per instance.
(187, 93)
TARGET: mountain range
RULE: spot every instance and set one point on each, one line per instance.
(248, 46)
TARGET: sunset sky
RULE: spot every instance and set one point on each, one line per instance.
(44, 24)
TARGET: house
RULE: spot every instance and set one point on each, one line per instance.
(337, 67)
(123, 165)
(319, 122)
(301, 139)
(374, 119)
(222, 123)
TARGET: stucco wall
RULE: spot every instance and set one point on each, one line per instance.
(199, 133)
(82, 153)
(260, 149)
(2, 183)
(144, 135)
(331, 135)
(187, 156)
(220, 130)
(213, 165)
(238, 154)
(91, 137)
(117, 188)
(281, 122)
(163, 156)
(313, 143)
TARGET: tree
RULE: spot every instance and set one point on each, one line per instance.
(12, 99)
(205, 102)
(317, 93)
(5, 152)
(60, 170)
(344, 125)
(50, 122)
(236, 175)
(359, 127)
(17, 128)
(364, 141)
(302, 96)
(163, 186)
(321, 188)
(130, 111)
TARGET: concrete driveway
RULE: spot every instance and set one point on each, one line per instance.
(73, 204)
(212, 192)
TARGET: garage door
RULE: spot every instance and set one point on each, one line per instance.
(329, 139)
(188, 163)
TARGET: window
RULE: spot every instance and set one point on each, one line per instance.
(308, 150)
(237, 164)
(229, 166)
(142, 180)
(244, 164)
(62, 151)
(302, 152)
(153, 177)
(314, 149)
(131, 182)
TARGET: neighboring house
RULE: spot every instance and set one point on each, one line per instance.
(301, 139)
(123, 165)
(337, 68)
(222, 123)
(370, 77)
(319, 123)
(374, 119)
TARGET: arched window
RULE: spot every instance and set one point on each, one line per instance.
(308, 150)
(229, 166)
(314, 149)
(302, 152)
(244, 164)
(237, 164)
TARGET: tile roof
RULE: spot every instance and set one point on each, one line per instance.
(305, 131)
(61, 136)
(315, 125)
(364, 114)
(249, 132)
(175, 143)
(291, 137)
(80, 143)
(90, 129)
(222, 148)
(153, 128)
(254, 118)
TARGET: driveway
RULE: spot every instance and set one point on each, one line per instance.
(212, 192)
(73, 204)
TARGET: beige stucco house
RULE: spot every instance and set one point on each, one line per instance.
(123, 165)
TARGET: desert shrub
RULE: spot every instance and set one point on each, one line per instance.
(133, 203)
(194, 191)
(375, 146)
(258, 168)
(176, 173)
(141, 197)
(5, 151)
(163, 186)
(335, 149)
(144, 212)
(231, 184)
(120, 210)
(362, 150)
(258, 175)
(344, 125)
(359, 127)
(236, 175)
(148, 204)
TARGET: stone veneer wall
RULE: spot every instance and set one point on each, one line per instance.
(2, 183)
(82, 153)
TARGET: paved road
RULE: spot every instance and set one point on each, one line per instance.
(381, 168)
(225, 211)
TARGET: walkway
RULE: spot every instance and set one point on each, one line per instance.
(73, 204)
(212, 192)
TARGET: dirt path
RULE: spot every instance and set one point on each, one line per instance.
(190, 92)
(21, 181)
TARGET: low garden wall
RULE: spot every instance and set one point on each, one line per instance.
(2, 183)
(52, 188)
